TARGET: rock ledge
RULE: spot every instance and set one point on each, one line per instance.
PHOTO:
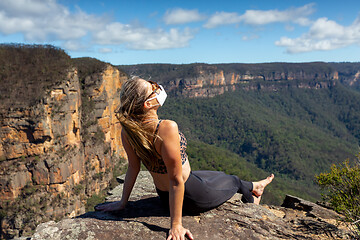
(144, 218)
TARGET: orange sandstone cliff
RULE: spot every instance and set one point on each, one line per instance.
(57, 153)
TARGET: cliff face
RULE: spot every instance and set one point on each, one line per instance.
(214, 81)
(205, 80)
(55, 154)
(29, 134)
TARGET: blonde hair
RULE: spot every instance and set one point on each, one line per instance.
(131, 114)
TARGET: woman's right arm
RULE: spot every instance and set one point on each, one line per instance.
(131, 175)
(132, 171)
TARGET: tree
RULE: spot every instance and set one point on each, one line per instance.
(342, 186)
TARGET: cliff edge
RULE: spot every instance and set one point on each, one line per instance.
(144, 218)
(59, 136)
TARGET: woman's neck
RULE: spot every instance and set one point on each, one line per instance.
(151, 116)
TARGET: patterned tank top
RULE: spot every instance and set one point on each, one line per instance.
(160, 167)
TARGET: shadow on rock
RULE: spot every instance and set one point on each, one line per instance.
(148, 207)
(134, 212)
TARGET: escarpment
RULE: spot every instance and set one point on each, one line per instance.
(208, 80)
(60, 150)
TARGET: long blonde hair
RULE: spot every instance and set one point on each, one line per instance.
(131, 115)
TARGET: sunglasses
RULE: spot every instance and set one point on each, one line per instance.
(154, 87)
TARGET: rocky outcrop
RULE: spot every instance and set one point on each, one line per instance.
(29, 134)
(56, 154)
(355, 80)
(144, 218)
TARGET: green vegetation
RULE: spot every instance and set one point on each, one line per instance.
(87, 66)
(311, 71)
(99, 135)
(347, 70)
(209, 157)
(27, 206)
(162, 72)
(294, 133)
(27, 72)
(29, 189)
(95, 199)
(342, 186)
(78, 189)
(87, 70)
(98, 175)
(119, 169)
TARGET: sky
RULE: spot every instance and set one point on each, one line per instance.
(181, 32)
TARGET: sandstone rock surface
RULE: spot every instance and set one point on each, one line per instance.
(144, 218)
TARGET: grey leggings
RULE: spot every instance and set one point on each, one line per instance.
(205, 190)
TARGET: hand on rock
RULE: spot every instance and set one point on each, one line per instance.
(179, 233)
(109, 207)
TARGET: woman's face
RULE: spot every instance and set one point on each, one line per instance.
(148, 87)
(152, 88)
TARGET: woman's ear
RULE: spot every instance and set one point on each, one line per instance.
(147, 105)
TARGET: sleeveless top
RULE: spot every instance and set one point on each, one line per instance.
(160, 167)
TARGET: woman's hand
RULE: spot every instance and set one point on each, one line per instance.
(113, 206)
(178, 232)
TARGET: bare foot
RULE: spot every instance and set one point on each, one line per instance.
(258, 187)
(257, 199)
(109, 207)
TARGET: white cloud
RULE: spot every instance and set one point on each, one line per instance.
(324, 34)
(260, 17)
(29, 7)
(47, 21)
(250, 37)
(222, 18)
(105, 50)
(74, 45)
(181, 16)
(142, 38)
(302, 21)
(257, 17)
(289, 28)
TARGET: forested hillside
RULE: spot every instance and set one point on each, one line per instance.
(294, 133)
(38, 67)
(346, 72)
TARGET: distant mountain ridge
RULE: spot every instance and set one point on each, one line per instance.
(208, 80)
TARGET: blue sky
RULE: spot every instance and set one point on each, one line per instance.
(169, 31)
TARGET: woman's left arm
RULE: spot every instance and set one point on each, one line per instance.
(170, 152)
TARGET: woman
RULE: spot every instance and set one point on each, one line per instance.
(161, 147)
